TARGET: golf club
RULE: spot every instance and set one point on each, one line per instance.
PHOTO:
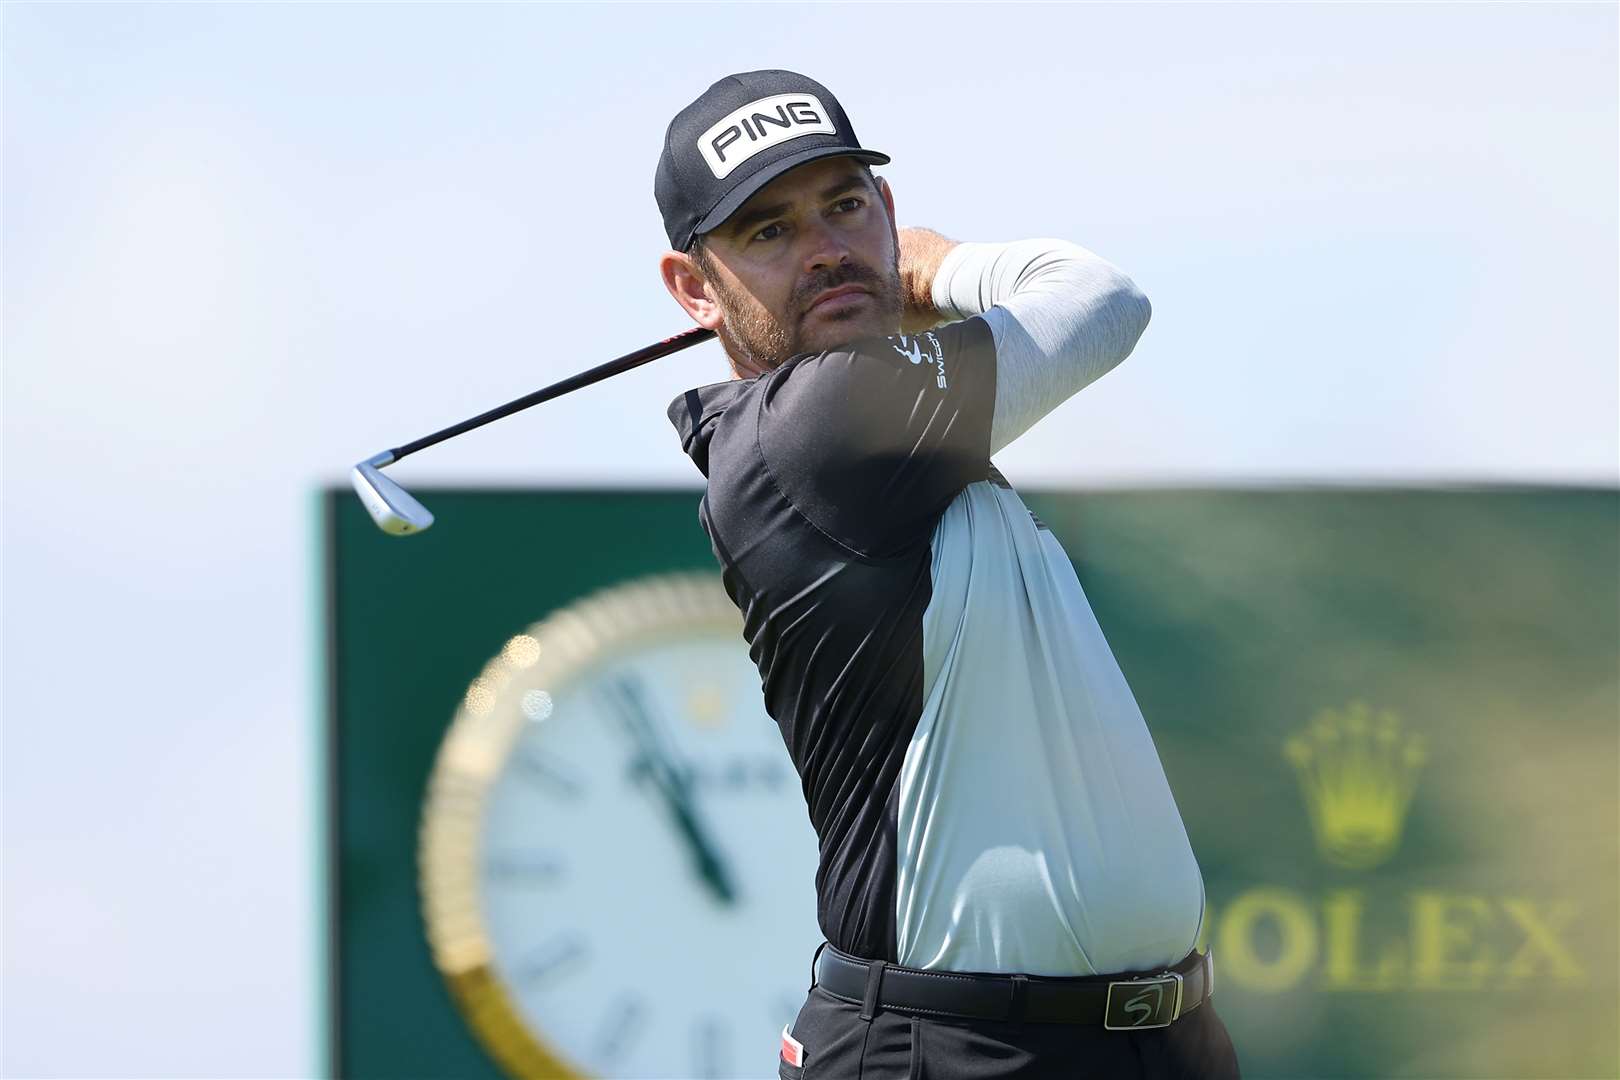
(393, 508)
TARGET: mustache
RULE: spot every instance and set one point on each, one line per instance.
(845, 274)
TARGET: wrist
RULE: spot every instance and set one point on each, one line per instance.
(921, 252)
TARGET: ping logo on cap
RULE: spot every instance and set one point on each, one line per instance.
(759, 125)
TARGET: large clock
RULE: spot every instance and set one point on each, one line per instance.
(617, 870)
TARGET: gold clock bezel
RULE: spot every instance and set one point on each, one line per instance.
(550, 653)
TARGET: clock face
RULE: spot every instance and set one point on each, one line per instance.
(618, 870)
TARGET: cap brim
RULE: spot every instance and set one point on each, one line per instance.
(748, 188)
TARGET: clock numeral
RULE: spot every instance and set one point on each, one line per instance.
(623, 1024)
(711, 1047)
(549, 772)
(524, 868)
(559, 956)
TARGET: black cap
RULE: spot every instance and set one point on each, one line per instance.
(742, 133)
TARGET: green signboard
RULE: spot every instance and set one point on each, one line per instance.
(1391, 720)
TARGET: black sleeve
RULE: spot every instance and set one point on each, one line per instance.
(872, 442)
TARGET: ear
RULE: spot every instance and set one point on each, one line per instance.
(689, 287)
(887, 194)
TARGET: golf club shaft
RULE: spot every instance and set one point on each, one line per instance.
(680, 341)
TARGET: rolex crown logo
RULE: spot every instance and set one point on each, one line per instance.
(1357, 770)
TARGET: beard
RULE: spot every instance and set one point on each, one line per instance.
(762, 340)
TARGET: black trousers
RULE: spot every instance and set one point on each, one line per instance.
(897, 1046)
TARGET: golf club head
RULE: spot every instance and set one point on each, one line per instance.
(390, 506)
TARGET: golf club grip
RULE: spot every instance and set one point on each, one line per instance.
(683, 340)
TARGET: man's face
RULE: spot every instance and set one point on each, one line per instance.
(809, 263)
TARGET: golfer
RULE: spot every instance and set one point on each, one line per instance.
(1005, 884)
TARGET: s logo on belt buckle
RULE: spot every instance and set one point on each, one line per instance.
(1143, 1003)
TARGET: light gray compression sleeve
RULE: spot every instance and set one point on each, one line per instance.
(1061, 316)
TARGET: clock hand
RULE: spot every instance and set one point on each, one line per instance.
(672, 783)
(709, 863)
(670, 779)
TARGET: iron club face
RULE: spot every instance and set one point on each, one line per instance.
(390, 506)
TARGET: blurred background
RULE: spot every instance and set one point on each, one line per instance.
(247, 246)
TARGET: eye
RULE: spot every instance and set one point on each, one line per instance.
(853, 202)
(770, 232)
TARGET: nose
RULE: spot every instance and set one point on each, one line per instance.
(824, 247)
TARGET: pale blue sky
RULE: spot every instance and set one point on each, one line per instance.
(245, 246)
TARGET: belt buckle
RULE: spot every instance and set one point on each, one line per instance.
(1143, 1004)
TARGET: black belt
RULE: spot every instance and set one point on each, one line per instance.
(1119, 1002)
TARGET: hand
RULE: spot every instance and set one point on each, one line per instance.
(921, 252)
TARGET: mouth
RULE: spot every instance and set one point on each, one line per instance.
(836, 299)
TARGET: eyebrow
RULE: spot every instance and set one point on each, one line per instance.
(745, 221)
